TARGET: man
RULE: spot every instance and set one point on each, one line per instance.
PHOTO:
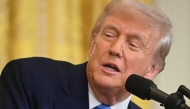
(128, 38)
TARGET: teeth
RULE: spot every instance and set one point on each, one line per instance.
(110, 68)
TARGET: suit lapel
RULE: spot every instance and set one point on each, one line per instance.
(76, 89)
(75, 86)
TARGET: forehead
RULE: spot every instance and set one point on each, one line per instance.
(133, 28)
(132, 25)
(127, 21)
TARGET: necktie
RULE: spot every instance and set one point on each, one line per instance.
(102, 106)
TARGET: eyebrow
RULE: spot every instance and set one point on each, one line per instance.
(111, 26)
(130, 35)
(139, 37)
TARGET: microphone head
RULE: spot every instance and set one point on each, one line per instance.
(139, 86)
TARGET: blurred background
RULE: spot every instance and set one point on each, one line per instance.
(61, 29)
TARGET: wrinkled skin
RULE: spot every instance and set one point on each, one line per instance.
(123, 46)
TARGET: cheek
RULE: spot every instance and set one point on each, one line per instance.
(137, 64)
(95, 56)
(100, 48)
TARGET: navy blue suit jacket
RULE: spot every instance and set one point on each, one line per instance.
(41, 83)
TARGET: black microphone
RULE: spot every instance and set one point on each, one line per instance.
(144, 89)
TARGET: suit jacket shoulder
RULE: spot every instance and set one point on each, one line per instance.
(42, 83)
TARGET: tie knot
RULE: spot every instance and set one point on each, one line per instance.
(102, 106)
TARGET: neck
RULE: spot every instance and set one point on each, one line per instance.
(110, 96)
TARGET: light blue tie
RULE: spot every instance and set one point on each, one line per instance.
(102, 106)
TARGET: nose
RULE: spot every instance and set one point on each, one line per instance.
(116, 48)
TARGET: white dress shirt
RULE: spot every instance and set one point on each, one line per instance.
(93, 102)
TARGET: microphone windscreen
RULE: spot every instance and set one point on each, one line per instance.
(139, 86)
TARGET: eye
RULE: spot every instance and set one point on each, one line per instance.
(134, 45)
(109, 34)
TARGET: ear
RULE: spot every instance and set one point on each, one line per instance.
(92, 44)
(152, 72)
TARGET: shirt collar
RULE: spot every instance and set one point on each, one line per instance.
(93, 102)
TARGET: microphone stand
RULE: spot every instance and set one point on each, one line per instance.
(176, 100)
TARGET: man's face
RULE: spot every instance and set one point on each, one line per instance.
(124, 46)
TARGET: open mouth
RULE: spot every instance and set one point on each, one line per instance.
(111, 67)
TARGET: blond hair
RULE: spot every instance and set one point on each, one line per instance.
(145, 12)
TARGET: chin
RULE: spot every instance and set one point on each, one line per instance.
(106, 83)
